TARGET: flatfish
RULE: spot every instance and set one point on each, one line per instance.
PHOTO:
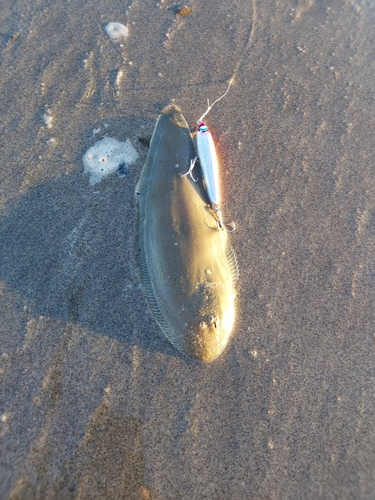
(188, 267)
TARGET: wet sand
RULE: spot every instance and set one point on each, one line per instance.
(95, 402)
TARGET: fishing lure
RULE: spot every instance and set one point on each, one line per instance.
(209, 163)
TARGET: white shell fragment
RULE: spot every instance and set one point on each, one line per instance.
(48, 119)
(107, 156)
(117, 31)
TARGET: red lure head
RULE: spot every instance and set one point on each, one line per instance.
(202, 127)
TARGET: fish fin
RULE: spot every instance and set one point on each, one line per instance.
(141, 187)
(232, 261)
(154, 301)
(149, 293)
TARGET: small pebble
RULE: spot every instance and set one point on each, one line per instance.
(184, 11)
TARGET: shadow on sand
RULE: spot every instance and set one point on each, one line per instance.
(70, 250)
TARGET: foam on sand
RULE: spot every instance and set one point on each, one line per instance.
(116, 31)
(107, 156)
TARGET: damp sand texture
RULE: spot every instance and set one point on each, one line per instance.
(95, 402)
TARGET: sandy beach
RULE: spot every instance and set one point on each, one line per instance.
(95, 403)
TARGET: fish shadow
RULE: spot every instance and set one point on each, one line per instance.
(70, 250)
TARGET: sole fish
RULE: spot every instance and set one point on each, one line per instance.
(188, 267)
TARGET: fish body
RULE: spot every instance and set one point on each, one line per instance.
(188, 267)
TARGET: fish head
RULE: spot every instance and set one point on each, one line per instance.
(210, 327)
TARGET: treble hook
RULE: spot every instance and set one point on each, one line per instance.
(189, 172)
(230, 227)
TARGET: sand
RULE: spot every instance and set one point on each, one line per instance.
(95, 402)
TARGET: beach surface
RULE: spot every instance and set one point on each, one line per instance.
(94, 402)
